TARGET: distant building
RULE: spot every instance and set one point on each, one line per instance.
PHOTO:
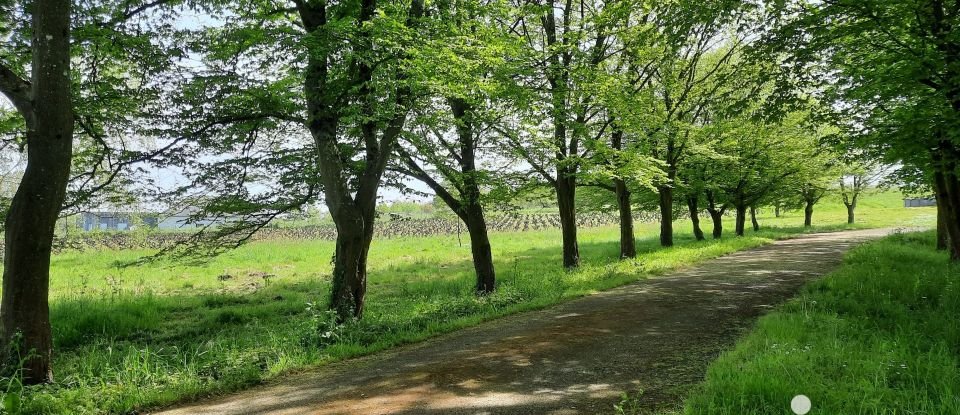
(175, 221)
(115, 221)
(181, 220)
(124, 221)
(919, 202)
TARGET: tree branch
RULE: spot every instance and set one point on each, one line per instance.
(17, 90)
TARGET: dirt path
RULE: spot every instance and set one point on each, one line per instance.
(657, 335)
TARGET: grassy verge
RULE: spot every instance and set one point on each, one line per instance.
(141, 337)
(878, 336)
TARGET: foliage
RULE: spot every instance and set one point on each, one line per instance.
(882, 68)
(119, 72)
(761, 158)
(887, 75)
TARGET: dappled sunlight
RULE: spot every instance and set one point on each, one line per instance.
(577, 357)
(175, 330)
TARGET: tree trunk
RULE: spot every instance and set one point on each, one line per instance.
(480, 248)
(354, 235)
(850, 214)
(716, 214)
(808, 214)
(717, 217)
(741, 219)
(666, 215)
(472, 208)
(558, 76)
(467, 206)
(628, 246)
(566, 197)
(776, 211)
(753, 219)
(694, 208)
(30, 222)
(948, 187)
(943, 239)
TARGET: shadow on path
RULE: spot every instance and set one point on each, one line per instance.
(656, 335)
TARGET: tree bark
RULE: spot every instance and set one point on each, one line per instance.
(948, 187)
(472, 208)
(808, 214)
(753, 219)
(30, 222)
(851, 217)
(693, 206)
(628, 245)
(716, 214)
(481, 250)
(666, 215)
(776, 211)
(566, 186)
(741, 219)
(354, 235)
(717, 217)
(943, 240)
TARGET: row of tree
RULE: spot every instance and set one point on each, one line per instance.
(264, 107)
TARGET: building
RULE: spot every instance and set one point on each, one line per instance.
(180, 219)
(919, 202)
(125, 221)
(115, 221)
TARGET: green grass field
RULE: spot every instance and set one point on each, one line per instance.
(128, 338)
(878, 336)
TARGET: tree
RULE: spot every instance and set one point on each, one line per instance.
(45, 103)
(815, 179)
(566, 44)
(680, 72)
(698, 178)
(887, 70)
(463, 194)
(293, 104)
(79, 112)
(811, 193)
(467, 63)
(704, 177)
(628, 244)
(693, 207)
(856, 179)
(716, 210)
(618, 166)
(764, 156)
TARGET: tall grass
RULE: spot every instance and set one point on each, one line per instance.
(128, 338)
(878, 336)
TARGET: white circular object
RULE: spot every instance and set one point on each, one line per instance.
(800, 404)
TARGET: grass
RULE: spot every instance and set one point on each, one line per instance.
(878, 336)
(129, 338)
